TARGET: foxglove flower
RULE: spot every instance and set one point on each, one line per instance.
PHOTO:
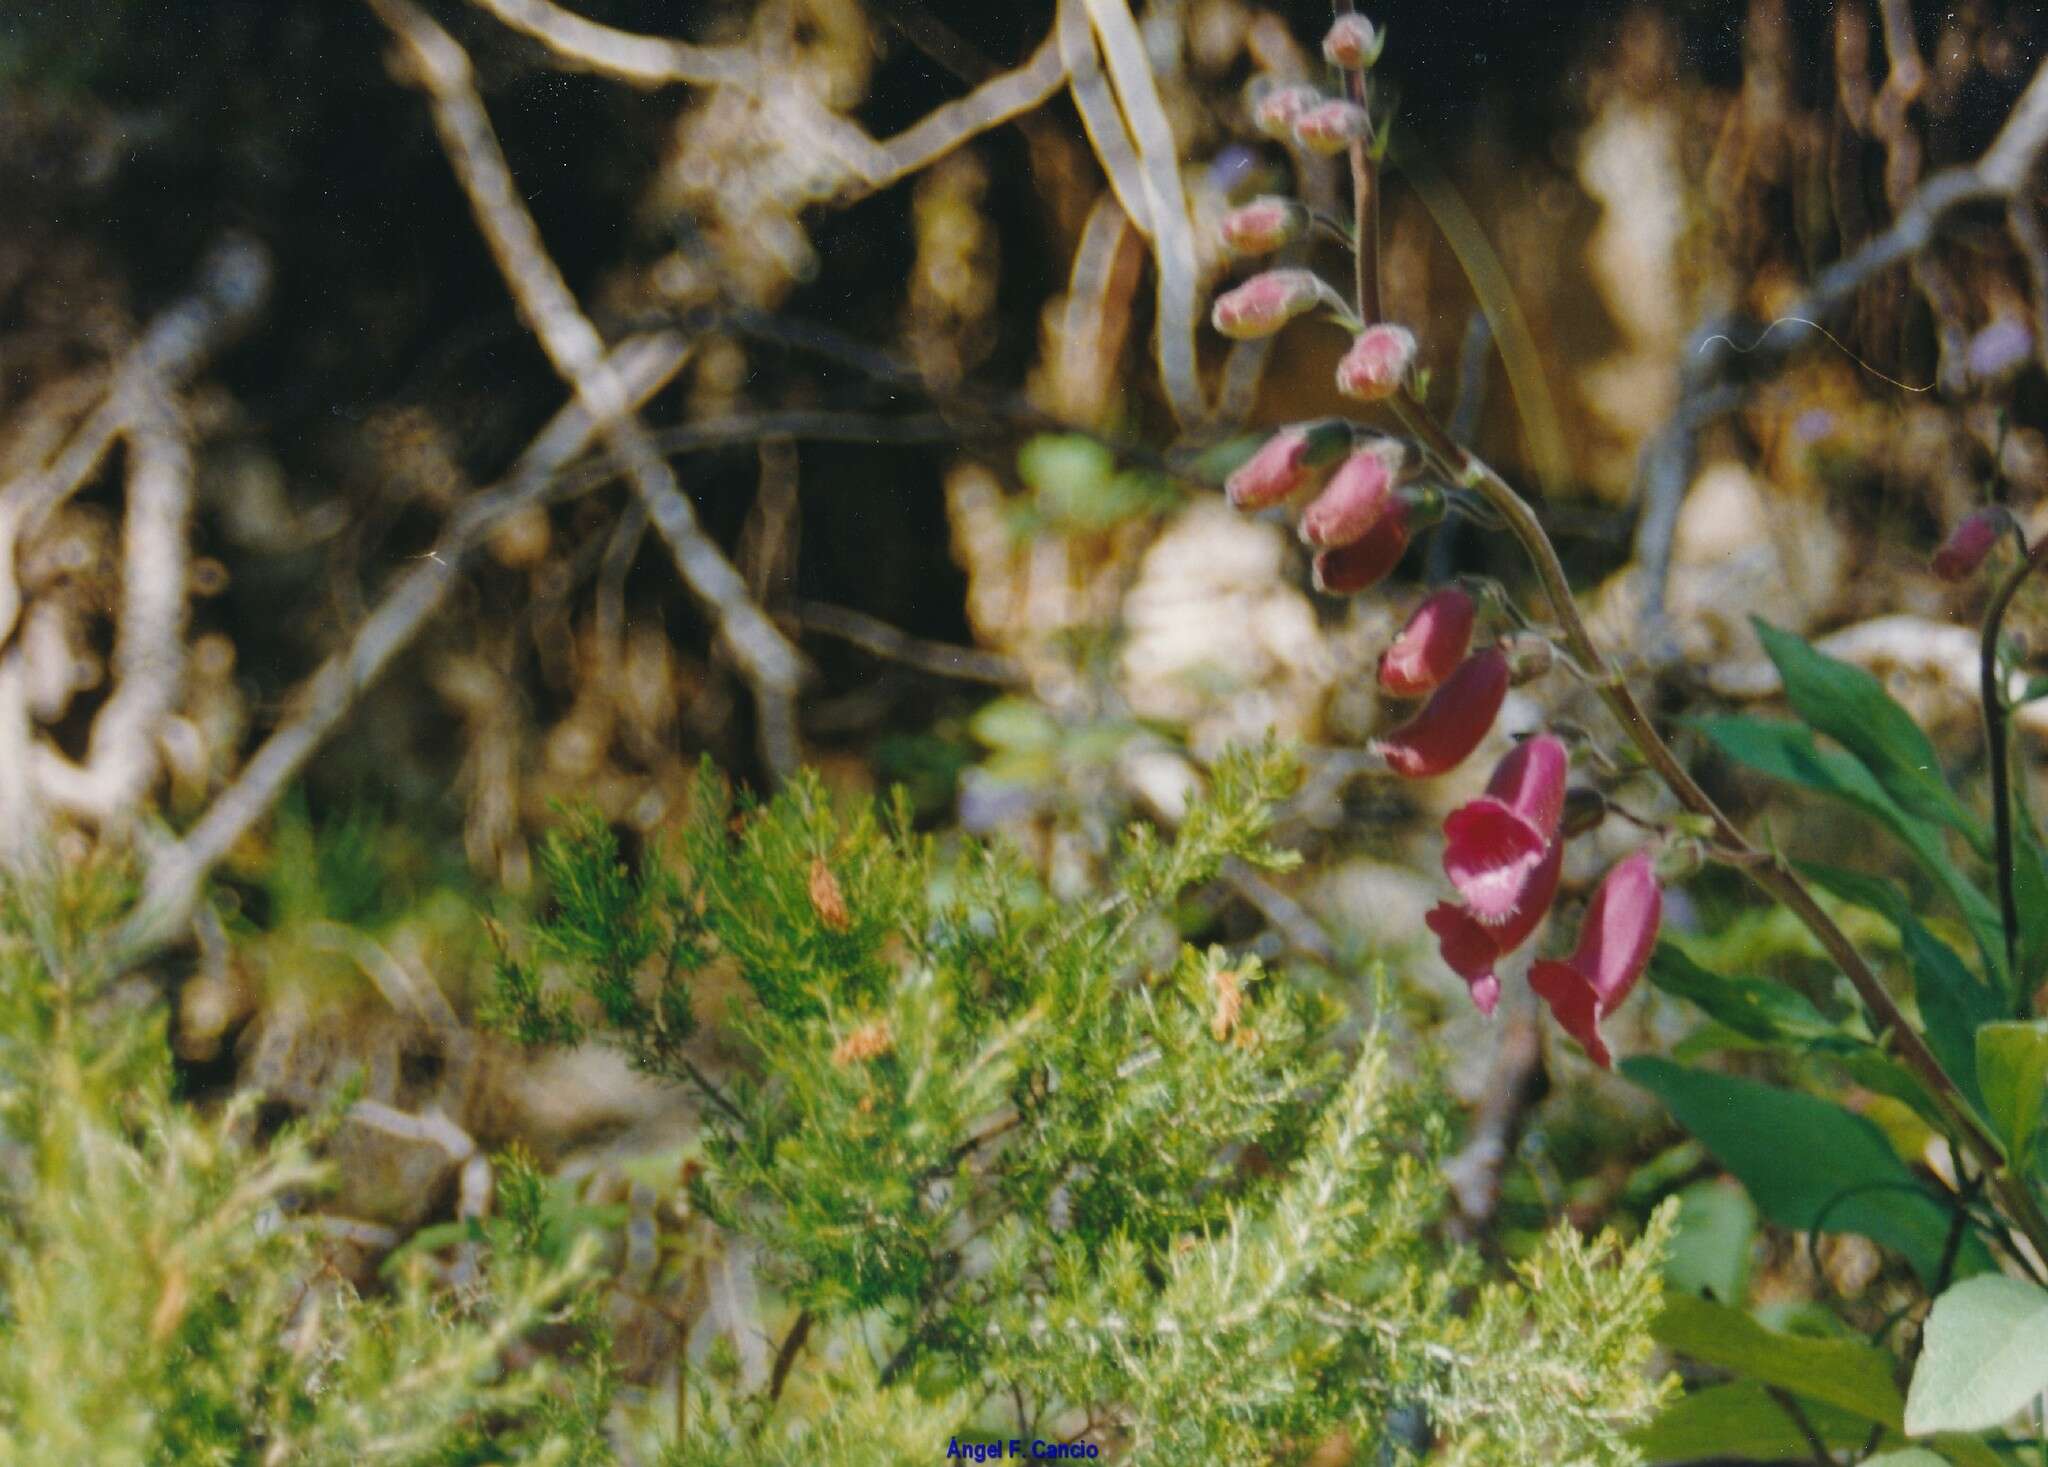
(1331, 127)
(1350, 44)
(1265, 303)
(1970, 542)
(1614, 947)
(1346, 570)
(1286, 462)
(1275, 110)
(1493, 845)
(1267, 223)
(1454, 720)
(1432, 644)
(1359, 495)
(1377, 363)
(1473, 950)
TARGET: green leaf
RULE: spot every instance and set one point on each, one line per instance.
(1742, 1422)
(1846, 1374)
(1787, 751)
(1711, 1242)
(1952, 1002)
(1852, 707)
(2012, 1068)
(2030, 895)
(1749, 1006)
(1809, 1163)
(1984, 1356)
(1910, 1457)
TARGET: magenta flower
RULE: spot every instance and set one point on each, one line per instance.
(1345, 570)
(1278, 469)
(1473, 950)
(1493, 845)
(1430, 645)
(1970, 542)
(1350, 44)
(1265, 224)
(1331, 127)
(1614, 947)
(1358, 496)
(1454, 720)
(1377, 362)
(1265, 303)
(1276, 109)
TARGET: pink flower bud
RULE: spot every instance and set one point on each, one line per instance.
(1454, 720)
(1614, 947)
(1275, 109)
(1351, 44)
(1358, 496)
(1285, 462)
(1265, 303)
(1377, 362)
(1267, 223)
(1970, 542)
(1366, 561)
(1331, 127)
(1494, 844)
(1431, 645)
(1472, 949)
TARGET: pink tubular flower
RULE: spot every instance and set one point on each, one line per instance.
(1286, 461)
(1453, 721)
(1265, 224)
(1614, 947)
(1351, 44)
(1276, 108)
(1430, 645)
(1358, 496)
(1493, 845)
(1970, 542)
(1378, 360)
(1346, 570)
(1472, 950)
(1331, 127)
(1265, 303)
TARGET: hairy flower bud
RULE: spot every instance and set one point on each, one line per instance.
(1377, 362)
(1973, 538)
(1431, 645)
(1351, 44)
(1358, 496)
(1267, 223)
(1331, 127)
(1346, 570)
(1275, 107)
(1285, 462)
(1453, 722)
(1615, 941)
(1265, 303)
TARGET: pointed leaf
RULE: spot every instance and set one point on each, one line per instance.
(1844, 1373)
(1984, 1357)
(1749, 1006)
(2012, 1068)
(1741, 1422)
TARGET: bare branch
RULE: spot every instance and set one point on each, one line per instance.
(871, 634)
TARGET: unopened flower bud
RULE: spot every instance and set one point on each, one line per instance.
(1331, 127)
(1267, 223)
(1275, 108)
(1529, 656)
(1285, 462)
(1431, 645)
(1357, 497)
(1970, 542)
(1265, 303)
(1377, 362)
(1366, 561)
(1351, 43)
(1453, 722)
(1585, 809)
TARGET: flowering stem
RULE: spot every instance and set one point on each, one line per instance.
(1992, 689)
(1365, 197)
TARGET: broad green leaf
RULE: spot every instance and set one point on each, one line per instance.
(1810, 1163)
(1787, 751)
(1910, 1457)
(1711, 1242)
(1851, 707)
(1749, 1006)
(1983, 1358)
(2030, 895)
(1846, 1374)
(2012, 1068)
(1952, 1002)
(1741, 1422)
